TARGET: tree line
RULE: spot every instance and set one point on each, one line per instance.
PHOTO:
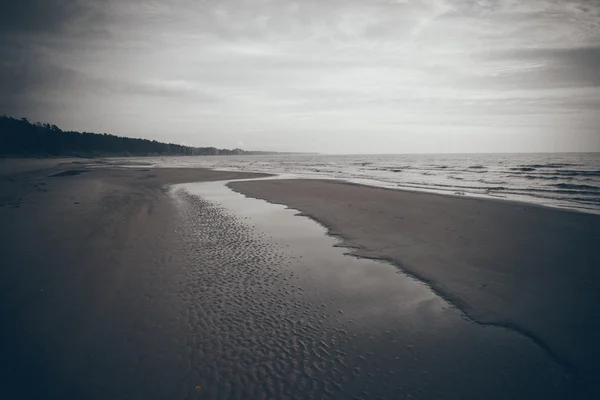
(19, 137)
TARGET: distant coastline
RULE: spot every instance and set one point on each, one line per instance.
(21, 138)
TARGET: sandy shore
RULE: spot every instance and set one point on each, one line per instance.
(87, 262)
(531, 269)
(115, 284)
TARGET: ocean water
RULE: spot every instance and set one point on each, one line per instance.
(567, 180)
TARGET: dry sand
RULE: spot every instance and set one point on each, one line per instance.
(531, 269)
(86, 265)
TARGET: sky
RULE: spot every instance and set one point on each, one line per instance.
(378, 76)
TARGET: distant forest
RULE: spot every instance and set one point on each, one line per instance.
(21, 138)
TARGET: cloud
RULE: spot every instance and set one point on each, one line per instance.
(579, 66)
(28, 85)
(50, 17)
(251, 67)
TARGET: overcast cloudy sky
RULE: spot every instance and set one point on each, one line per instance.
(378, 76)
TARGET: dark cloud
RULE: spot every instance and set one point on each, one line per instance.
(33, 34)
(29, 84)
(558, 68)
(34, 85)
(173, 90)
(580, 65)
(49, 16)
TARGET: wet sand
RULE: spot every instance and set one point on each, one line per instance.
(533, 270)
(295, 317)
(133, 284)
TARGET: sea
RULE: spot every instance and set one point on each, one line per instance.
(565, 180)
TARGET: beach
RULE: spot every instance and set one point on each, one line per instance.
(163, 283)
(527, 268)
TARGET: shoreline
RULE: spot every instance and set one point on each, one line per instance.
(420, 190)
(130, 162)
(452, 195)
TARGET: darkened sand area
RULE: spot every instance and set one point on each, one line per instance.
(86, 264)
(530, 269)
(130, 283)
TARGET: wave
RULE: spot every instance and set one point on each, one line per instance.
(442, 186)
(561, 192)
(388, 169)
(558, 191)
(550, 165)
(554, 174)
(577, 173)
(550, 196)
(532, 177)
(588, 200)
(578, 187)
(492, 182)
(524, 169)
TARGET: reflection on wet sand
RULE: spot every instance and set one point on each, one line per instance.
(277, 310)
